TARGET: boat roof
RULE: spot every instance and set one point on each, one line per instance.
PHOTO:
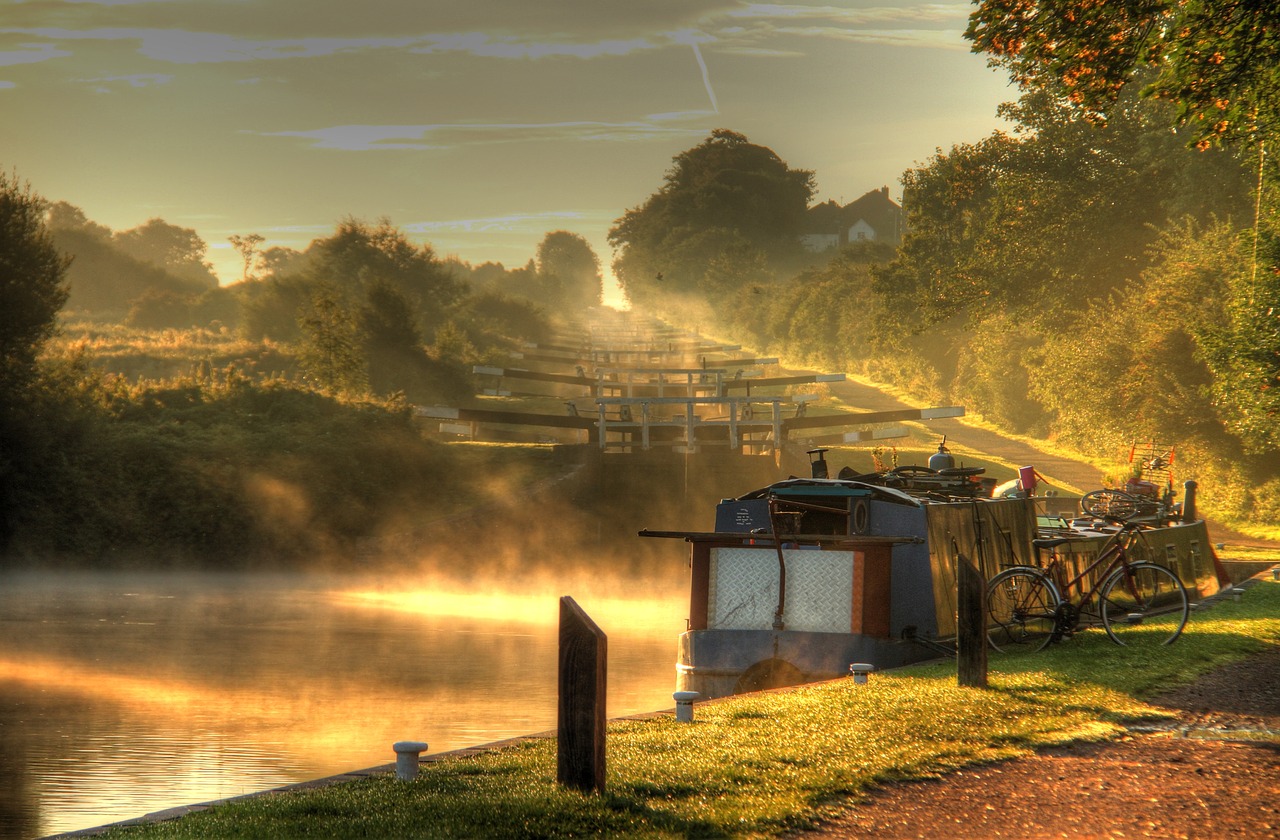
(831, 487)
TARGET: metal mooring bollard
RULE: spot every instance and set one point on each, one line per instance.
(684, 705)
(407, 758)
(859, 670)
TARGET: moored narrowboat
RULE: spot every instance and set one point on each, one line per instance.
(802, 578)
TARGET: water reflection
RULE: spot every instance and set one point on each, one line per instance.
(125, 695)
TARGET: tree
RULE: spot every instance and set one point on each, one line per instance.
(64, 216)
(103, 278)
(179, 251)
(247, 247)
(570, 270)
(32, 290)
(330, 349)
(506, 317)
(1240, 338)
(279, 260)
(1063, 210)
(358, 255)
(1218, 61)
(716, 195)
(392, 341)
(159, 309)
(738, 288)
(32, 283)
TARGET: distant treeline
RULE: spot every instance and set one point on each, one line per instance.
(174, 421)
(361, 310)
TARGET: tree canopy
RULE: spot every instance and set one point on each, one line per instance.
(32, 272)
(359, 255)
(1062, 211)
(724, 194)
(178, 250)
(110, 273)
(569, 270)
(1218, 61)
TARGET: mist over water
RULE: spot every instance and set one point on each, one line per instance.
(127, 693)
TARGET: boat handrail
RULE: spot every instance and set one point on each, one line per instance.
(767, 539)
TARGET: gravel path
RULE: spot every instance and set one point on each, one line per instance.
(1215, 773)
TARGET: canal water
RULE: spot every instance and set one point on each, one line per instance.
(125, 694)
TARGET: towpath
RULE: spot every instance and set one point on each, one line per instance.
(1067, 473)
(1214, 773)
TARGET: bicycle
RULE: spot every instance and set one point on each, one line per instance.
(1140, 604)
(1147, 493)
(1118, 503)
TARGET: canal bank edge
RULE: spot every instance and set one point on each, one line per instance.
(389, 768)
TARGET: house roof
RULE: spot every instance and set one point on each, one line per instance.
(875, 208)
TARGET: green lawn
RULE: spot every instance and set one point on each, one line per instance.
(760, 765)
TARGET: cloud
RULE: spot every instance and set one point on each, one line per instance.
(30, 54)
(177, 46)
(363, 138)
(927, 25)
(941, 12)
(109, 84)
(486, 46)
(935, 38)
(510, 223)
(740, 29)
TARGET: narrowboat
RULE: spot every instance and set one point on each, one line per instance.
(798, 580)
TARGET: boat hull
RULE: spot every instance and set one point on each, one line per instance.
(717, 663)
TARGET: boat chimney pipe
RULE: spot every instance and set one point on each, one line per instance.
(1189, 501)
(818, 466)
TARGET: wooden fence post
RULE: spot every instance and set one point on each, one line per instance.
(583, 666)
(971, 625)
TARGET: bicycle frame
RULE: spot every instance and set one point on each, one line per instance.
(1114, 555)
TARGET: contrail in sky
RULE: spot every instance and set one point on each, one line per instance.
(706, 77)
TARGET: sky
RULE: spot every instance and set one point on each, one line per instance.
(477, 126)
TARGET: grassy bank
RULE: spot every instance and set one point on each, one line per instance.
(760, 765)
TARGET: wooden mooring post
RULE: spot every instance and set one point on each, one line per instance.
(971, 625)
(581, 721)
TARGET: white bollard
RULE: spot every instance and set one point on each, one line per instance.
(1275, 573)
(859, 670)
(1133, 618)
(684, 705)
(1237, 594)
(407, 758)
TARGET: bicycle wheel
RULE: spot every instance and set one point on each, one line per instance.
(1109, 503)
(1144, 605)
(1022, 610)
